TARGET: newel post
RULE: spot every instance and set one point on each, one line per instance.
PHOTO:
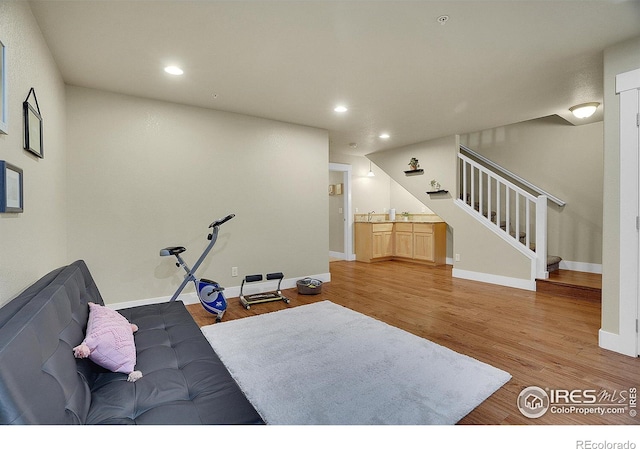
(541, 237)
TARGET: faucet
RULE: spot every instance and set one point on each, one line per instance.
(369, 215)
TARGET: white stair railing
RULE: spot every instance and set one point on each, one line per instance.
(510, 211)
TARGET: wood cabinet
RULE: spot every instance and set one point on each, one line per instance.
(382, 244)
(403, 240)
(419, 242)
(430, 242)
(373, 241)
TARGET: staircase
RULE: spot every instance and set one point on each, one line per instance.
(515, 214)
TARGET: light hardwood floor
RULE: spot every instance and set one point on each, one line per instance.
(540, 339)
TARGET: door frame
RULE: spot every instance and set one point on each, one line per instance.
(627, 340)
(348, 215)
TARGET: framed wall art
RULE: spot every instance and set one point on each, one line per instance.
(11, 183)
(3, 90)
(33, 126)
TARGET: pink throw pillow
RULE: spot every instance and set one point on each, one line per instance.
(109, 341)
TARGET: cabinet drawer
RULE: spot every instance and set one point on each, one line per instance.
(404, 227)
(423, 227)
(382, 227)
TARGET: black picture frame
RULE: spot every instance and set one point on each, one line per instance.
(33, 141)
(4, 110)
(11, 188)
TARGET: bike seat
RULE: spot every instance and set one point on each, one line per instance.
(172, 250)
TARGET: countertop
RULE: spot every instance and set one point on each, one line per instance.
(414, 218)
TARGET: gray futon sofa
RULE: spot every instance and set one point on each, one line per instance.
(184, 381)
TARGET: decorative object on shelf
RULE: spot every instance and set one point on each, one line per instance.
(33, 126)
(436, 188)
(414, 164)
(11, 196)
(4, 113)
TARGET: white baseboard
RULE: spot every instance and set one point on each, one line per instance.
(229, 292)
(616, 343)
(524, 284)
(343, 256)
(581, 266)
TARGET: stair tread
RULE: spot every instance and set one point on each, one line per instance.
(576, 278)
(572, 284)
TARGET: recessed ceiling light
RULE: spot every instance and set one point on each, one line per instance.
(384, 136)
(340, 108)
(173, 70)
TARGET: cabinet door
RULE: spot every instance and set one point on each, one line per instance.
(388, 244)
(404, 244)
(363, 242)
(423, 247)
(382, 245)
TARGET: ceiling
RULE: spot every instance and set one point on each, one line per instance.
(392, 63)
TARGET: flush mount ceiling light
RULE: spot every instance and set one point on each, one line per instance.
(340, 108)
(584, 110)
(384, 136)
(173, 70)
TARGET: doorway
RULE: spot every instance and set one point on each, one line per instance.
(340, 214)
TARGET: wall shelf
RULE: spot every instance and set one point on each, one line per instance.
(418, 171)
(437, 191)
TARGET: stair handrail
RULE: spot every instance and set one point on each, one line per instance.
(497, 177)
(512, 175)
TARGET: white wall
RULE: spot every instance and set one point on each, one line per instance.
(403, 201)
(145, 174)
(368, 193)
(123, 177)
(378, 193)
(34, 242)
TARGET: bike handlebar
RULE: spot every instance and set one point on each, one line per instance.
(221, 221)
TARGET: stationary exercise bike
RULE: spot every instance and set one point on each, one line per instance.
(209, 292)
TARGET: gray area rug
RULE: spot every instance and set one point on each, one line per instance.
(326, 364)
